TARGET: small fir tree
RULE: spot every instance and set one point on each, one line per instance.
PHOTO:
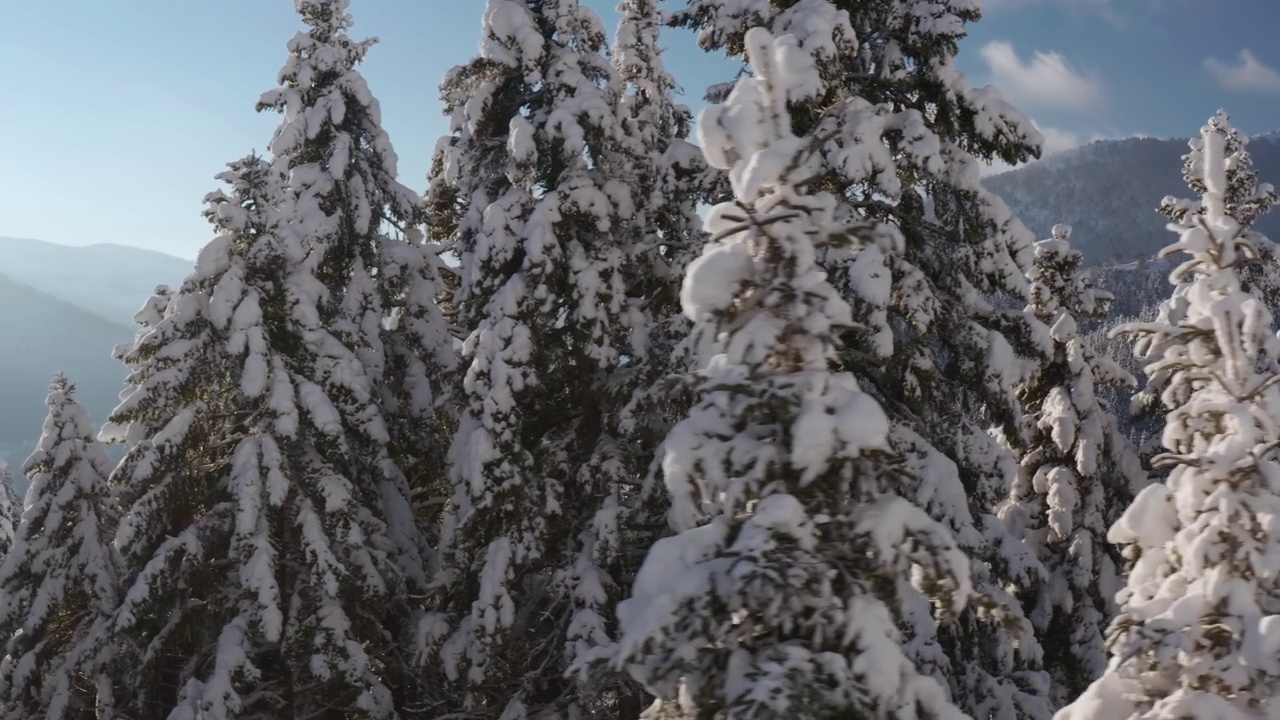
(1244, 199)
(58, 583)
(1076, 473)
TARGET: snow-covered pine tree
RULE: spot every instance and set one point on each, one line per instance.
(10, 509)
(1199, 630)
(347, 203)
(261, 578)
(1245, 199)
(902, 135)
(780, 605)
(58, 584)
(1076, 473)
(668, 179)
(529, 193)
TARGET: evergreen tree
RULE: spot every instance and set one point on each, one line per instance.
(901, 136)
(1076, 472)
(670, 179)
(667, 178)
(530, 195)
(58, 583)
(1245, 199)
(1198, 634)
(261, 573)
(644, 397)
(10, 509)
(780, 604)
(346, 199)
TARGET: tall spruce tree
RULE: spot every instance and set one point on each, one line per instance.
(530, 195)
(261, 575)
(348, 204)
(779, 604)
(645, 395)
(1076, 473)
(1199, 630)
(270, 550)
(667, 178)
(1245, 199)
(58, 583)
(901, 135)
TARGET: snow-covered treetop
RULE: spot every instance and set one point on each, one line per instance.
(68, 472)
(873, 48)
(1057, 286)
(1199, 634)
(332, 130)
(1244, 198)
(58, 583)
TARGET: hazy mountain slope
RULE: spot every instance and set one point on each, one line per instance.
(1108, 191)
(44, 335)
(111, 281)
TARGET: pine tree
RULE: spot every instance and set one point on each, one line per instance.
(643, 398)
(1197, 634)
(58, 583)
(670, 179)
(256, 498)
(1076, 472)
(527, 192)
(342, 185)
(10, 509)
(779, 604)
(902, 134)
(1246, 200)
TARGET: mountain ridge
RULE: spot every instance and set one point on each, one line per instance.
(1108, 191)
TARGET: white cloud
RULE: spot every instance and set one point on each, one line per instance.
(1248, 75)
(1045, 80)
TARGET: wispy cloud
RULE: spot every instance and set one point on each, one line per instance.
(1046, 80)
(1247, 74)
(1103, 8)
(1108, 10)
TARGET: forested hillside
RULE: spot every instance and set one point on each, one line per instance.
(1109, 191)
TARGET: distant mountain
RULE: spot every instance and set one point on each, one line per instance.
(1108, 191)
(43, 335)
(110, 281)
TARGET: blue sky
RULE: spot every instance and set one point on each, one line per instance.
(116, 116)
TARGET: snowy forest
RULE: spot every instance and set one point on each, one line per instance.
(773, 413)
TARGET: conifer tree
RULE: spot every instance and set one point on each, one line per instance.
(58, 584)
(260, 572)
(645, 396)
(1076, 473)
(1199, 630)
(902, 134)
(530, 196)
(1244, 199)
(342, 185)
(670, 178)
(269, 546)
(10, 509)
(779, 604)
